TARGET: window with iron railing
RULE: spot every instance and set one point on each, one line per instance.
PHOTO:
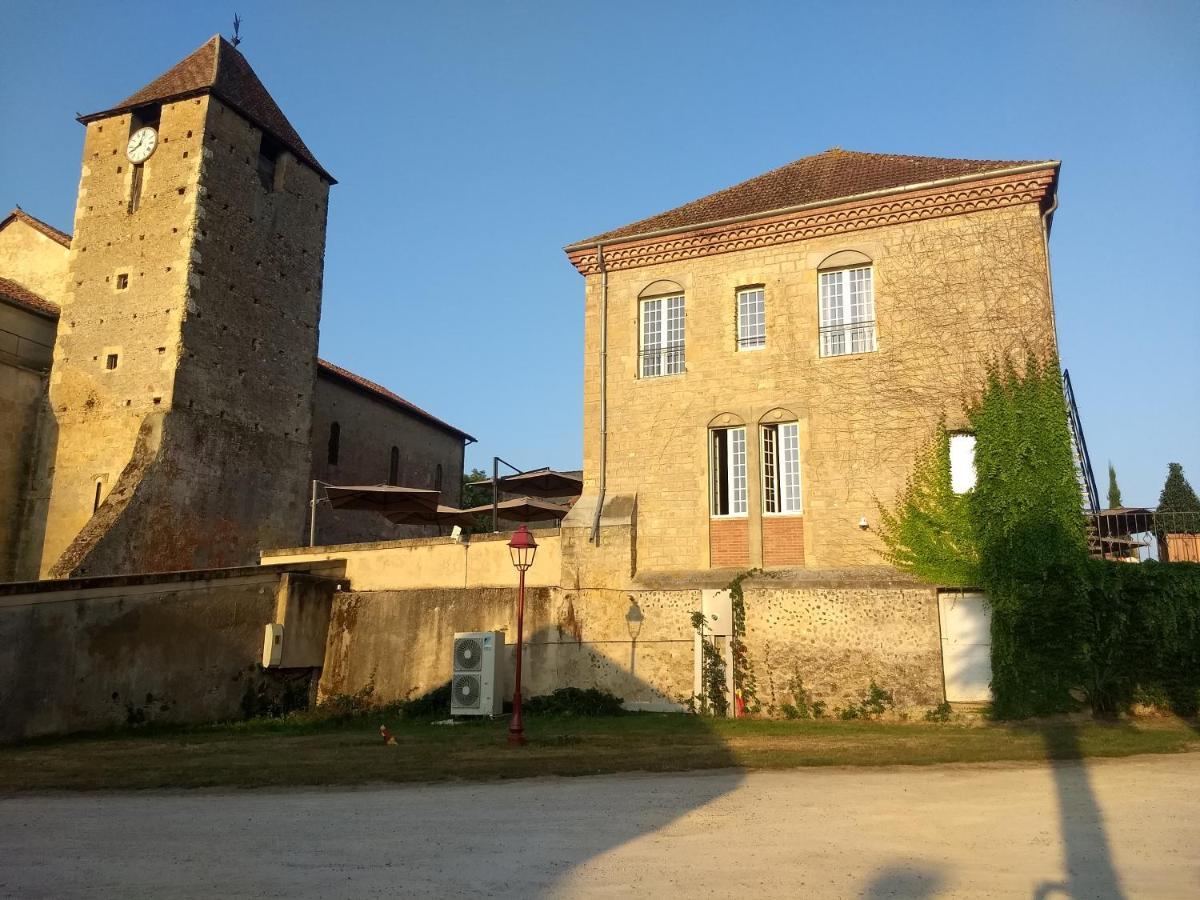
(662, 335)
(751, 319)
(847, 312)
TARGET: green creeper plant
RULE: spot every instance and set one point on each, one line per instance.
(931, 533)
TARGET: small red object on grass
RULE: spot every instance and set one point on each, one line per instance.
(386, 735)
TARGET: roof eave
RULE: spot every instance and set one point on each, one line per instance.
(601, 241)
(415, 411)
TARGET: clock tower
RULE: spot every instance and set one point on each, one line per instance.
(184, 366)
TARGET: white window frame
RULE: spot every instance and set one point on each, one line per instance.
(782, 486)
(847, 311)
(751, 318)
(661, 336)
(735, 465)
(963, 474)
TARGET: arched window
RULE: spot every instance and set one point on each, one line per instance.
(394, 467)
(335, 441)
(437, 478)
(847, 304)
(661, 329)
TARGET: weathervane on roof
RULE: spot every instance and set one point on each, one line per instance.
(237, 23)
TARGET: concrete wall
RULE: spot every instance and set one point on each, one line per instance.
(94, 653)
(949, 293)
(215, 335)
(484, 561)
(368, 429)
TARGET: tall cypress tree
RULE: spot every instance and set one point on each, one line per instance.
(1114, 492)
(1180, 501)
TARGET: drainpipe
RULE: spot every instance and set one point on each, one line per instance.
(595, 535)
(1046, 248)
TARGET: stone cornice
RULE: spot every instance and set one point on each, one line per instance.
(894, 209)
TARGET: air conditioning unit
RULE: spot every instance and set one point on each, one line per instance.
(477, 683)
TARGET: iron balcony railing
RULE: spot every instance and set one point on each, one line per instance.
(853, 337)
(1137, 535)
(664, 360)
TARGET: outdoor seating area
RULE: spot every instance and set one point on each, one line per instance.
(537, 496)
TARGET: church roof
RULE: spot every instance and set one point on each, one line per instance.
(337, 373)
(827, 177)
(23, 297)
(218, 68)
(19, 215)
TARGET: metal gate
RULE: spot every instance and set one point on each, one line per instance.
(966, 622)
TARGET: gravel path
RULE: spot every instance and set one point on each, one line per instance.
(1104, 829)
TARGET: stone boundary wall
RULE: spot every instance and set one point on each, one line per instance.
(186, 647)
(433, 563)
(639, 644)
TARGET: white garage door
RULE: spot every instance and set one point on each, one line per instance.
(966, 647)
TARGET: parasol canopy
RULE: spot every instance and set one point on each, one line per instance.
(381, 498)
(523, 509)
(545, 482)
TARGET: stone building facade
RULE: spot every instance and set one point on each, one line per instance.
(184, 379)
(761, 365)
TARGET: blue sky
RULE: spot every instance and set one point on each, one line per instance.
(473, 140)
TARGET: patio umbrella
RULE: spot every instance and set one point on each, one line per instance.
(524, 509)
(544, 482)
(381, 498)
(441, 516)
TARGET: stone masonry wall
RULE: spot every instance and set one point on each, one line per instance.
(369, 428)
(950, 293)
(215, 332)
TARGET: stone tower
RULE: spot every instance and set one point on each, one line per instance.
(185, 360)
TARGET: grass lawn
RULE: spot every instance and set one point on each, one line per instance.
(266, 753)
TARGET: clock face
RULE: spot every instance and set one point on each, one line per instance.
(142, 144)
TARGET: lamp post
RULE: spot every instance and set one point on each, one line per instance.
(522, 549)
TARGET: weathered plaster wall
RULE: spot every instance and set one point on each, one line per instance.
(97, 653)
(32, 259)
(401, 641)
(837, 640)
(368, 429)
(483, 561)
(26, 445)
(949, 292)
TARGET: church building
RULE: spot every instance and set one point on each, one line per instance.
(163, 401)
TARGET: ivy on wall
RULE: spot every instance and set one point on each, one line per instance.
(1061, 622)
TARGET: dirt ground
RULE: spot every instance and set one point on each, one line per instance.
(1108, 828)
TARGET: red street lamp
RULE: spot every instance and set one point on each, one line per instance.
(522, 548)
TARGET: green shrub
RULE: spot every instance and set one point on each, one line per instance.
(434, 702)
(940, 713)
(571, 701)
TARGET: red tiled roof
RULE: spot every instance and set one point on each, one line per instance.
(833, 175)
(24, 297)
(218, 68)
(329, 370)
(36, 224)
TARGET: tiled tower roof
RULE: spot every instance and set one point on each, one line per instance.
(218, 68)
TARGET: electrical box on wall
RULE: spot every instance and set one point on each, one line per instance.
(272, 646)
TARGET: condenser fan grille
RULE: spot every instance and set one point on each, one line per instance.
(468, 655)
(466, 691)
